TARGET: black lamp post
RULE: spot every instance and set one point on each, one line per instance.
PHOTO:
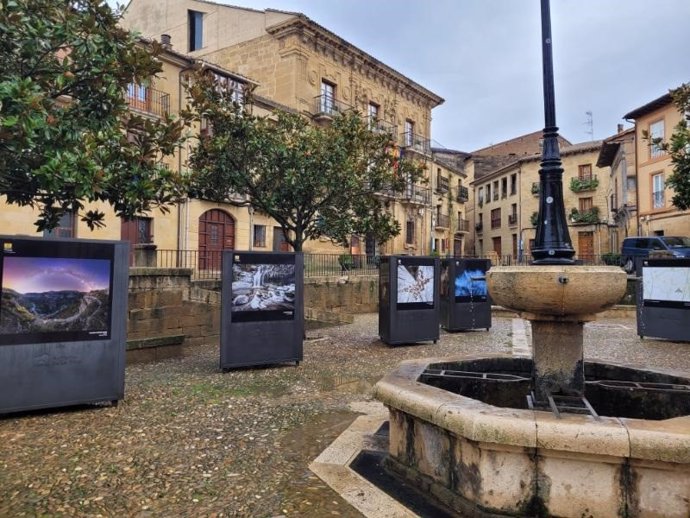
(552, 243)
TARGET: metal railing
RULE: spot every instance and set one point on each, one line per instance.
(329, 106)
(381, 126)
(463, 225)
(442, 183)
(207, 265)
(417, 143)
(416, 194)
(512, 219)
(148, 100)
(463, 194)
(442, 221)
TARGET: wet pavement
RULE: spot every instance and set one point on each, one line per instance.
(189, 440)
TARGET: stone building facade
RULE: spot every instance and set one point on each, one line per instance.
(656, 212)
(506, 203)
(618, 154)
(305, 67)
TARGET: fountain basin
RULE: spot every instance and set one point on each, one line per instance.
(576, 292)
(486, 460)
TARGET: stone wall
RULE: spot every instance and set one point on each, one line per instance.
(161, 316)
(335, 300)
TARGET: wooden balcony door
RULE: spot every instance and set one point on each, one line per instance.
(585, 246)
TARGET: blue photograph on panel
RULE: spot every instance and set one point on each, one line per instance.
(470, 282)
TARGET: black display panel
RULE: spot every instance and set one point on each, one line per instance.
(470, 281)
(263, 288)
(55, 291)
(415, 284)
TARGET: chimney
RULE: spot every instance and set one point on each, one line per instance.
(165, 41)
(620, 128)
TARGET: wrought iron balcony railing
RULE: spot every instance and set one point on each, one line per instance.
(381, 126)
(148, 100)
(464, 194)
(416, 194)
(327, 107)
(479, 227)
(463, 225)
(442, 221)
(512, 219)
(442, 183)
(417, 143)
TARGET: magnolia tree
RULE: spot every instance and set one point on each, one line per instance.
(314, 181)
(66, 135)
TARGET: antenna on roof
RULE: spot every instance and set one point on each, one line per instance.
(590, 125)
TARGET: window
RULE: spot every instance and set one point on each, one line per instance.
(656, 131)
(196, 30)
(480, 247)
(512, 217)
(65, 228)
(409, 132)
(327, 97)
(480, 196)
(584, 172)
(515, 246)
(513, 184)
(260, 236)
(496, 190)
(137, 92)
(143, 229)
(235, 88)
(373, 112)
(658, 201)
(586, 204)
(409, 233)
(488, 193)
(504, 188)
(496, 218)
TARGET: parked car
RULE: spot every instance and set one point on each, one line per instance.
(641, 246)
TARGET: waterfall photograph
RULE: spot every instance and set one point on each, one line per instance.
(470, 284)
(263, 287)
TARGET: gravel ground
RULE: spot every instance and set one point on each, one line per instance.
(189, 440)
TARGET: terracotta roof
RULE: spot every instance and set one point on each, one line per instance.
(649, 107)
(521, 145)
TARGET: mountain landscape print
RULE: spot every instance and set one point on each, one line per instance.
(55, 295)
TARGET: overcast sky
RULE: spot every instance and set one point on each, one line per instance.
(484, 58)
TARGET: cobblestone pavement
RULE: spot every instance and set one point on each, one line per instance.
(189, 440)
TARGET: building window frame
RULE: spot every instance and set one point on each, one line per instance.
(410, 232)
(67, 227)
(409, 132)
(196, 29)
(656, 131)
(584, 172)
(658, 191)
(496, 218)
(259, 236)
(328, 92)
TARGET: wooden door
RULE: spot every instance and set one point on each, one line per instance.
(279, 242)
(585, 246)
(457, 247)
(216, 233)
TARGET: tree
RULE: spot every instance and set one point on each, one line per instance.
(314, 181)
(678, 147)
(66, 135)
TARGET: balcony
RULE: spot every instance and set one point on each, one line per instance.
(442, 221)
(495, 195)
(512, 219)
(327, 107)
(479, 227)
(585, 183)
(463, 194)
(442, 183)
(584, 217)
(381, 126)
(417, 143)
(416, 195)
(463, 226)
(148, 101)
(535, 188)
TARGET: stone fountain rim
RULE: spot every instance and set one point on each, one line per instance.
(659, 440)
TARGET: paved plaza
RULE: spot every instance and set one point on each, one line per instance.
(189, 440)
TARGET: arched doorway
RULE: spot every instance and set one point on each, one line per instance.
(216, 233)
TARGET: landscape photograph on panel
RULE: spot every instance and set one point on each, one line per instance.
(470, 282)
(666, 286)
(263, 291)
(415, 286)
(50, 299)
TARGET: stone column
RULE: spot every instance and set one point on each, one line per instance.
(558, 358)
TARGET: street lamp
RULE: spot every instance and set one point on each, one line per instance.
(552, 243)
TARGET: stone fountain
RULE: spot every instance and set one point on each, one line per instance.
(550, 435)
